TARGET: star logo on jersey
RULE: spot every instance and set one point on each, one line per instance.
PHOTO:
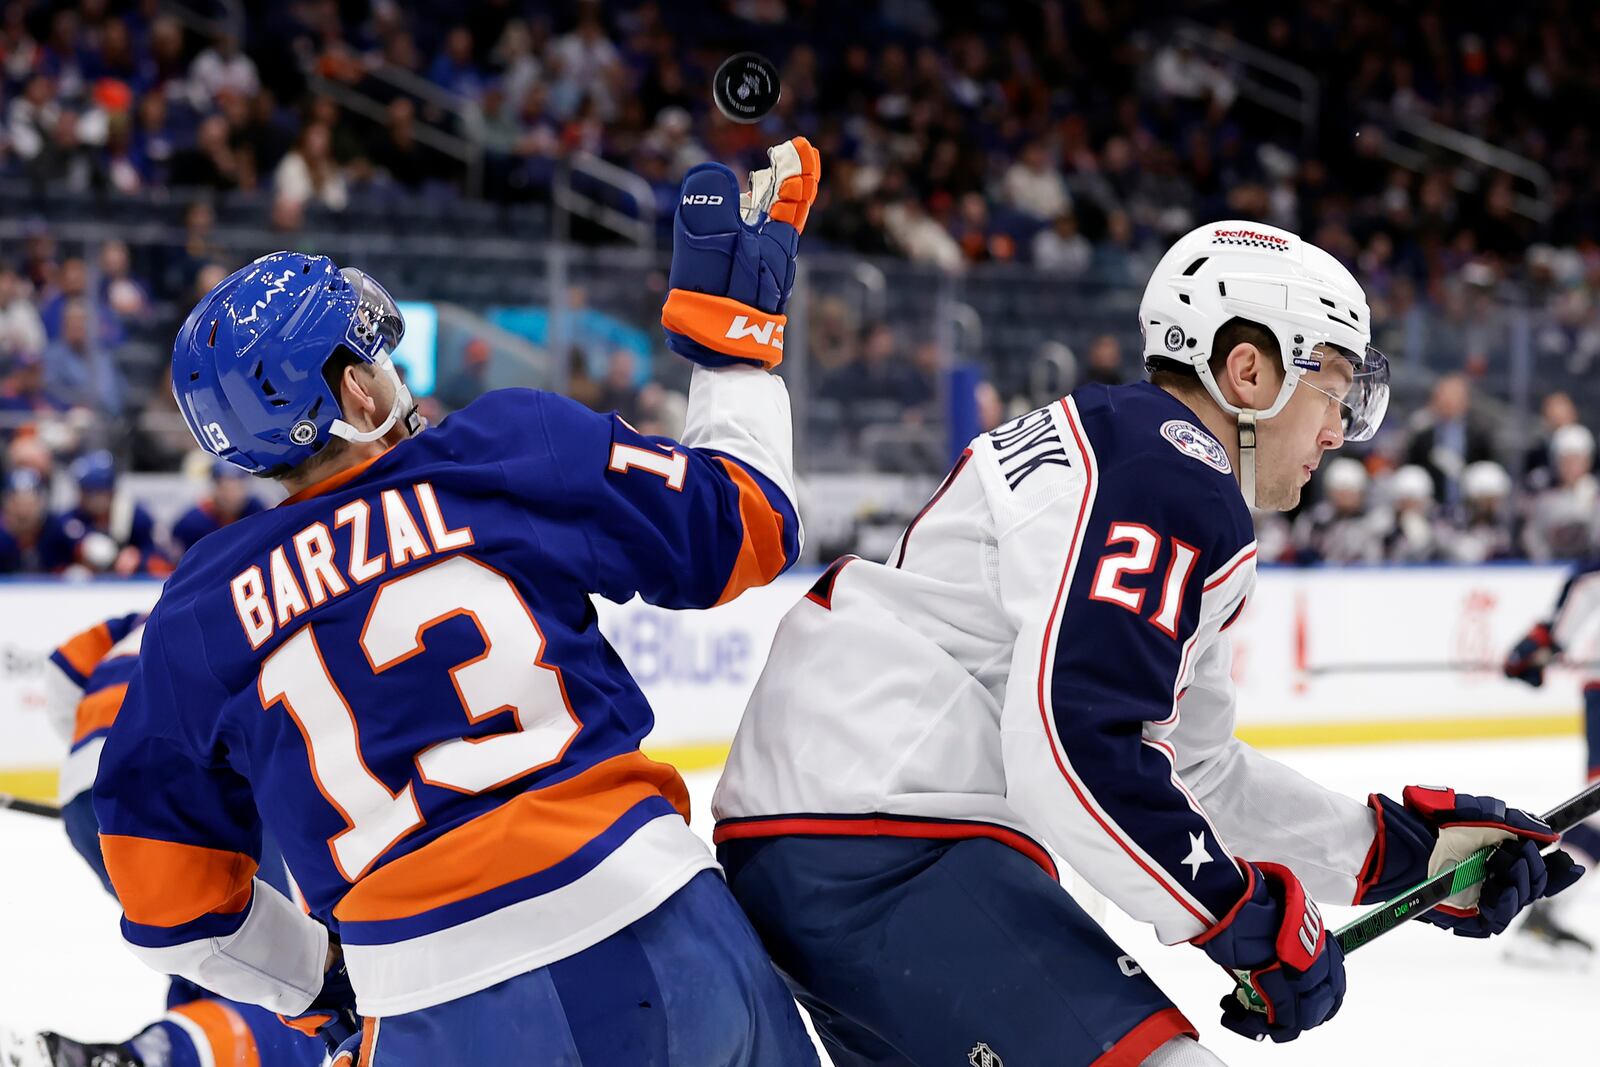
(1198, 856)
(1195, 443)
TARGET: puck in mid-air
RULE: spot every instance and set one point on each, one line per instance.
(746, 87)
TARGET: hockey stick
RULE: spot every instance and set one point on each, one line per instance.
(1425, 667)
(1432, 891)
(28, 807)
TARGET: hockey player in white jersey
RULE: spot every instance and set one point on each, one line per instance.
(1043, 665)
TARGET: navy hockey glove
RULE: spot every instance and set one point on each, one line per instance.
(332, 1015)
(1528, 659)
(1437, 828)
(733, 258)
(1276, 933)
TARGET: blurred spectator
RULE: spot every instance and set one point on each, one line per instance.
(81, 372)
(22, 391)
(1062, 248)
(1445, 438)
(31, 541)
(221, 68)
(1412, 535)
(1338, 528)
(108, 532)
(455, 68)
(471, 381)
(919, 237)
(1274, 537)
(879, 376)
(1103, 364)
(1561, 522)
(1034, 186)
(211, 163)
(1557, 411)
(1485, 531)
(120, 293)
(309, 172)
(21, 330)
(619, 389)
(585, 61)
(398, 154)
(228, 501)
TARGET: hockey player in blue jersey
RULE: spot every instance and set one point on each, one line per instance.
(397, 671)
(86, 678)
(1043, 664)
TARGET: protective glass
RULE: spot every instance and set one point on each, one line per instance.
(1364, 402)
(378, 324)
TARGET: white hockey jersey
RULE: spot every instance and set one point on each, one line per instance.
(1044, 659)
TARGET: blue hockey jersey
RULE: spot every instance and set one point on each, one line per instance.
(399, 673)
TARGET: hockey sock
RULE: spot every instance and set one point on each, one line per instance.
(1183, 1052)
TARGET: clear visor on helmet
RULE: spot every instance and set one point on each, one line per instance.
(378, 324)
(1358, 383)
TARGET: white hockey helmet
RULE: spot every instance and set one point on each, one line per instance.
(1485, 480)
(1572, 440)
(1295, 290)
(1411, 482)
(1345, 474)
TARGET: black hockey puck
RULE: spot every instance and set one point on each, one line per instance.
(746, 87)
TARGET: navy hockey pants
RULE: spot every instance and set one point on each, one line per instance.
(919, 953)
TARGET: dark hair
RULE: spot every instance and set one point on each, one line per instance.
(1235, 332)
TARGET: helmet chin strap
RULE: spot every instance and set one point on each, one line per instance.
(1247, 457)
(403, 407)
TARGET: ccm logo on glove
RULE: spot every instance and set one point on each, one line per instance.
(702, 198)
(769, 333)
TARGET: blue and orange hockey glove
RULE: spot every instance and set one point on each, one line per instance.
(332, 1015)
(733, 258)
(1436, 828)
(1530, 656)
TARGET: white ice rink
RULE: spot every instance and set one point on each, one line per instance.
(1417, 997)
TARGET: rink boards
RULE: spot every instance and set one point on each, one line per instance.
(1328, 656)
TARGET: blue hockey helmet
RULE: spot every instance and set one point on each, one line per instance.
(247, 366)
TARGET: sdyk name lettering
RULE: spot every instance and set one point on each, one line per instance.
(308, 570)
(1027, 445)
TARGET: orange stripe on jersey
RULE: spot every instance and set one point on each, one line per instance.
(332, 481)
(162, 883)
(306, 1024)
(726, 325)
(232, 1043)
(761, 557)
(98, 710)
(87, 649)
(521, 837)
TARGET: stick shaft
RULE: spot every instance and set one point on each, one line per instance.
(28, 807)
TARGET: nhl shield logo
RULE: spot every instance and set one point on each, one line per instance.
(984, 1056)
(1195, 443)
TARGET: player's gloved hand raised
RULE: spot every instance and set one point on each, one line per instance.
(332, 1015)
(1436, 828)
(1276, 933)
(1530, 656)
(733, 257)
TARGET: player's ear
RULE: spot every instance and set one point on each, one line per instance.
(1246, 376)
(356, 396)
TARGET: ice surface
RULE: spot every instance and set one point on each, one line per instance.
(1417, 996)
